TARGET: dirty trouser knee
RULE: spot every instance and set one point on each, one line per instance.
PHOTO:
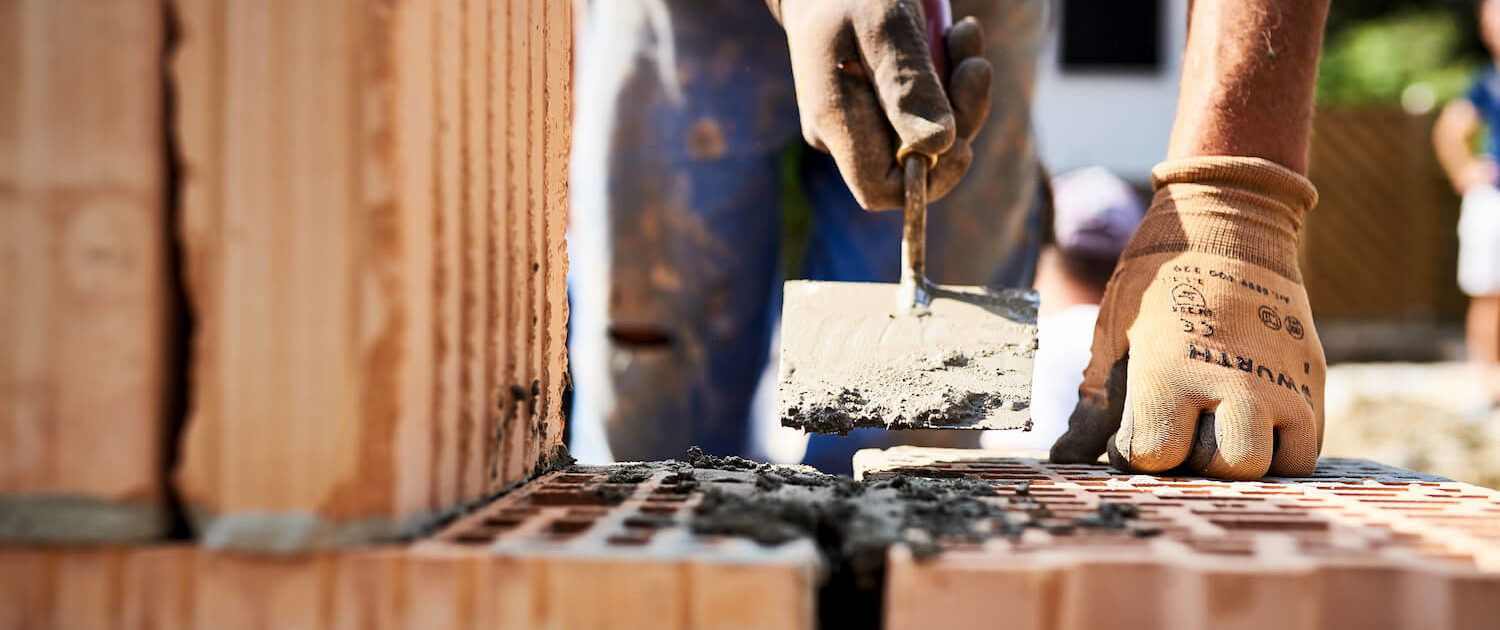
(682, 107)
(986, 231)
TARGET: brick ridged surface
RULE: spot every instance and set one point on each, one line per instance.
(184, 587)
(1356, 545)
(372, 223)
(84, 351)
(627, 546)
(561, 552)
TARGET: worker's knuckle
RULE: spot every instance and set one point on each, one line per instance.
(877, 200)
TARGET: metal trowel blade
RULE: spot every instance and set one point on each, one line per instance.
(849, 359)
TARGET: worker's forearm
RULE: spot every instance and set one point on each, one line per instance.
(1247, 80)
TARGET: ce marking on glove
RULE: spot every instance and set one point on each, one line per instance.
(1203, 328)
(1187, 300)
(1269, 317)
(1273, 321)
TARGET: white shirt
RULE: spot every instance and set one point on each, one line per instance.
(1063, 343)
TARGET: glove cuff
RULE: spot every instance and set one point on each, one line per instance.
(1280, 188)
(1248, 209)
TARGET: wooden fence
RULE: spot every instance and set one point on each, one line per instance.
(1382, 242)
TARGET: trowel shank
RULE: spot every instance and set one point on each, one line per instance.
(913, 297)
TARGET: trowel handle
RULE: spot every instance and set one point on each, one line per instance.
(939, 19)
(913, 296)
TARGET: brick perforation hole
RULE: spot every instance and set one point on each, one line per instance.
(1354, 516)
(573, 507)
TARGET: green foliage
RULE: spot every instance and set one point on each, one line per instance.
(1373, 62)
(796, 212)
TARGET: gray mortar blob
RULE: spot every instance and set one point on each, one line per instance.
(849, 361)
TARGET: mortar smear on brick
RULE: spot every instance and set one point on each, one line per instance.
(1353, 538)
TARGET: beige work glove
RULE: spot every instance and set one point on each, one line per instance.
(866, 86)
(1204, 355)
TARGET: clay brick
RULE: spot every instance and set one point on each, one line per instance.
(1355, 545)
(159, 588)
(96, 587)
(83, 247)
(634, 558)
(502, 567)
(374, 210)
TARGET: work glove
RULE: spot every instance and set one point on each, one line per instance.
(1204, 357)
(866, 87)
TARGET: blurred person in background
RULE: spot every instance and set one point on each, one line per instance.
(1475, 177)
(1093, 215)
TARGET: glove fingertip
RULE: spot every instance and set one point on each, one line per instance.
(1295, 447)
(1067, 450)
(969, 90)
(929, 135)
(1091, 427)
(1117, 460)
(965, 39)
(1205, 444)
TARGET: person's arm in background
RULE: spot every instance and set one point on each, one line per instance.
(1205, 356)
(866, 85)
(1451, 134)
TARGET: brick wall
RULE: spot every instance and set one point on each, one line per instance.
(369, 202)
(83, 287)
(374, 216)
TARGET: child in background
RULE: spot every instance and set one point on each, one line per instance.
(1475, 177)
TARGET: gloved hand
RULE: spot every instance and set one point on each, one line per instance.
(866, 86)
(1204, 354)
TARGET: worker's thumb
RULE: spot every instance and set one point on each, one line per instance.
(1094, 419)
(1101, 397)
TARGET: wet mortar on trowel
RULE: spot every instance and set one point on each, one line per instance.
(966, 364)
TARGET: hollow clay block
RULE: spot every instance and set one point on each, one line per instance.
(621, 535)
(373, 231)
(84, 348)
(1357, 544)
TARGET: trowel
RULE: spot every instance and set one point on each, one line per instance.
(912, 355)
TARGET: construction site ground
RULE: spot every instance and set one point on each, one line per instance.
(1424, 416)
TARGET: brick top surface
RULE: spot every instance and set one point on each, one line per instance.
(583, 512)
(1350, 512)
